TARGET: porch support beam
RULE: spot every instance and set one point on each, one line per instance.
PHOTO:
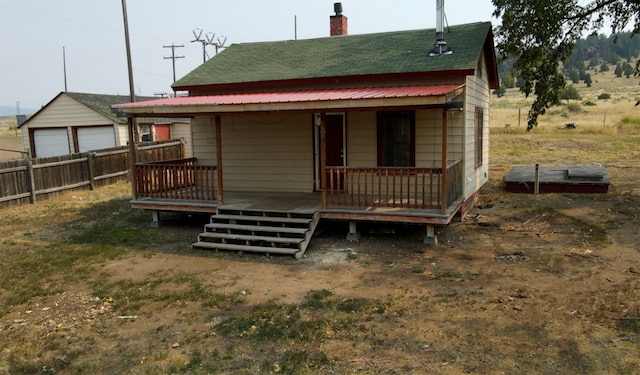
(430, 237)
(445, 149)
(155, 219)
(131, 125)
(219, 159)
(353, 234)
(323, 156)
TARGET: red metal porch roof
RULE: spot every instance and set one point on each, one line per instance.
(298, 96)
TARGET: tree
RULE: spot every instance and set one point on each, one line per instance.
(588, 80)
(542, 34)
(618, 70)
(627, 69)
(574, 75)
(570, 93)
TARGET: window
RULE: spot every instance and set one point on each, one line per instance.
(145, 133)
(396, 139)
(479, 136)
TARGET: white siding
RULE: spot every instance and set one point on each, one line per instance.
(65, 112)
(429, 137)
(268, 152)
(477, 95)
(204, 140)
(259, 152)
(182, 130)
(123, 135)
(362, 138)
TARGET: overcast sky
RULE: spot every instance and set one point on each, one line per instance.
(34, 32)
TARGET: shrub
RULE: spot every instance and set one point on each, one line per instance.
(604, 96)
(570, 92)
(629, 125)
(589, 103)
(574, 107)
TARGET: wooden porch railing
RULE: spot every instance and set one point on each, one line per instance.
(176, 179)
(454, 181)
(419, 188)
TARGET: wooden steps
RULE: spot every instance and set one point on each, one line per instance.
(269, 232)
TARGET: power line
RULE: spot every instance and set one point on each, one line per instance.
(173, 57)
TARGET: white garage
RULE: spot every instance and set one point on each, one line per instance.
(74, 122)
(95, 138)
(51, 142)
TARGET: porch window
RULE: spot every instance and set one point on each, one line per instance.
(479, 120)
(396, 139)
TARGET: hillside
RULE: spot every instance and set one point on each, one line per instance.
(592, 113)
(6, 110)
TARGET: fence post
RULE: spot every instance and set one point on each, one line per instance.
(90, 156)
(32, 182)
(536, 184)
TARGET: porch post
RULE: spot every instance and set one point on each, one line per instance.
(323, 159)
(219, 159)
(445, 184)
(133, 157)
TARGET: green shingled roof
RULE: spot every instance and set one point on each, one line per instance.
(102, 103)
(353, 55)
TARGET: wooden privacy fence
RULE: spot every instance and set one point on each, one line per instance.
(28, 181)
(419, 188)
(176, 179)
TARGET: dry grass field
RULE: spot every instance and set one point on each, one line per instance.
(546, 284)
(10, 139)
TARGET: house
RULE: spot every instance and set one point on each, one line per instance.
(386, 127)
(78, 122)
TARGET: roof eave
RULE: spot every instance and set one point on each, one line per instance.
(492, 61)
(433, 101)
(40, 110)
(317, 81)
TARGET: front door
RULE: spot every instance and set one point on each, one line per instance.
(335, 132)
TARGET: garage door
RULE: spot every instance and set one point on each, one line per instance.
(50, 142)
(95, 138)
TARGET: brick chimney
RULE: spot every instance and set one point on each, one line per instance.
(338, 22)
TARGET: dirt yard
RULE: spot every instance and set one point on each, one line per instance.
(546, 284)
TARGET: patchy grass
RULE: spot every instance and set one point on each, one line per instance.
(41, 270)
(291, 335)
(162, 286)
(541, 284)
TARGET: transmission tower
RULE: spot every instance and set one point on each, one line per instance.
(209, 40)
(173, 57)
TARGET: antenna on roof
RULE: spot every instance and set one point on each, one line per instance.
(440, 48)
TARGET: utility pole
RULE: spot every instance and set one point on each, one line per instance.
(173, 57)
(131, 121)
(64, 64)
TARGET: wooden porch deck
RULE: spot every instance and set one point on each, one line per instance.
(301, 203)
(410, 195)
